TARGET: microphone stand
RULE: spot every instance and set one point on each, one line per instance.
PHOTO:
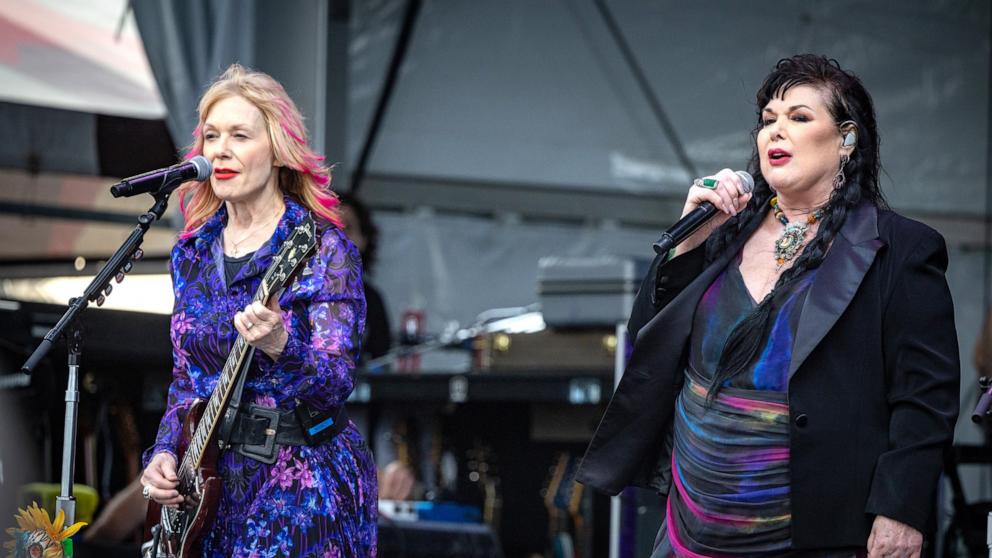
(400, 351)
(97, 291)
(450, 339)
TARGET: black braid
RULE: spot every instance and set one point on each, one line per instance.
(746, 339)
(730, 230)
(850, 101)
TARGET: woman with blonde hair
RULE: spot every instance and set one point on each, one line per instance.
(308, 498)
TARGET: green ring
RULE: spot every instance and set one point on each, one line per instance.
(706, 183)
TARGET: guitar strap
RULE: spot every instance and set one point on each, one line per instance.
(226, 425)
(233, 407)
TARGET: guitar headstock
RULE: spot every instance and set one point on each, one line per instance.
(288, 261)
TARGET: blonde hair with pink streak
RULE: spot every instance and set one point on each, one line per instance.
(302, 175)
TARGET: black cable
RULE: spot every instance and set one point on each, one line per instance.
(388, 86)
(646, 90)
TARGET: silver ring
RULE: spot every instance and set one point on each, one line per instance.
(146, 492)
(250, 325)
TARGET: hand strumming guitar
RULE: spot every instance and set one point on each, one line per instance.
(160, 481)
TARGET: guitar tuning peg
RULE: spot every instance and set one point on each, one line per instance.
(119, 277)
(138, 254)
(127, 267)
(107, 290)
(100, 300)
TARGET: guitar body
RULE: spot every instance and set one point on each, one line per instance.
(182, 529)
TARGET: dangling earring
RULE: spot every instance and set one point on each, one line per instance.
(839, 178)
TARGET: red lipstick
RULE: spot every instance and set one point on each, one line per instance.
(778, 157)
(224, 174)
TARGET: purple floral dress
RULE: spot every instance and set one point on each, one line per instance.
(314, 501)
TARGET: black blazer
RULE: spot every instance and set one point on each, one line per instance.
(873, 383)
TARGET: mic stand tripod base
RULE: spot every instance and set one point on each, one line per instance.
(67, 504)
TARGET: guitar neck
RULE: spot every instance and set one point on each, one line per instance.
(218, 399)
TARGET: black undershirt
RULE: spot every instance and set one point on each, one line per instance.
(232, 265)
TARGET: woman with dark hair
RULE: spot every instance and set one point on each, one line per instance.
(794, 378)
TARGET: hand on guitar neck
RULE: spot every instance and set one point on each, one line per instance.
(262, 327)
(161, 479)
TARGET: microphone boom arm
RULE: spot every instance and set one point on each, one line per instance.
(98, 286)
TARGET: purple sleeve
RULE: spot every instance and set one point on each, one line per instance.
(324, 313)
(180, 395)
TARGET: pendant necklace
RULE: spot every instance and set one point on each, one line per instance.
(794, 235)
(234, 244)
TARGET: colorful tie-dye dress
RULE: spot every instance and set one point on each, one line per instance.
(730, 461)
(314, 501)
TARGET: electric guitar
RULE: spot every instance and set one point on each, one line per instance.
(177, 532)
(567, 529)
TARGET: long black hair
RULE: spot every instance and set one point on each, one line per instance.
(848, 101)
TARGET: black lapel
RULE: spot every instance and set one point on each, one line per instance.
(837, 280)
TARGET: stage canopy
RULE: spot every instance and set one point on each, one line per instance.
(514, 130)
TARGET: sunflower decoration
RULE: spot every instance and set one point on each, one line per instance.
(36, 536)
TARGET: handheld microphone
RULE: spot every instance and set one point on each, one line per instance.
(684, 227)
(156, 181)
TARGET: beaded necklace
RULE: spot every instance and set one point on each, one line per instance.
(794, 235)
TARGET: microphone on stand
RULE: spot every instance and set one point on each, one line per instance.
(684, 227)
(154, 182)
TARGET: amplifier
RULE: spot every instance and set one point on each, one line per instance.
(588, 291)
(548, 351)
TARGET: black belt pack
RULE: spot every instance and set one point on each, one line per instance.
(259, 432)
